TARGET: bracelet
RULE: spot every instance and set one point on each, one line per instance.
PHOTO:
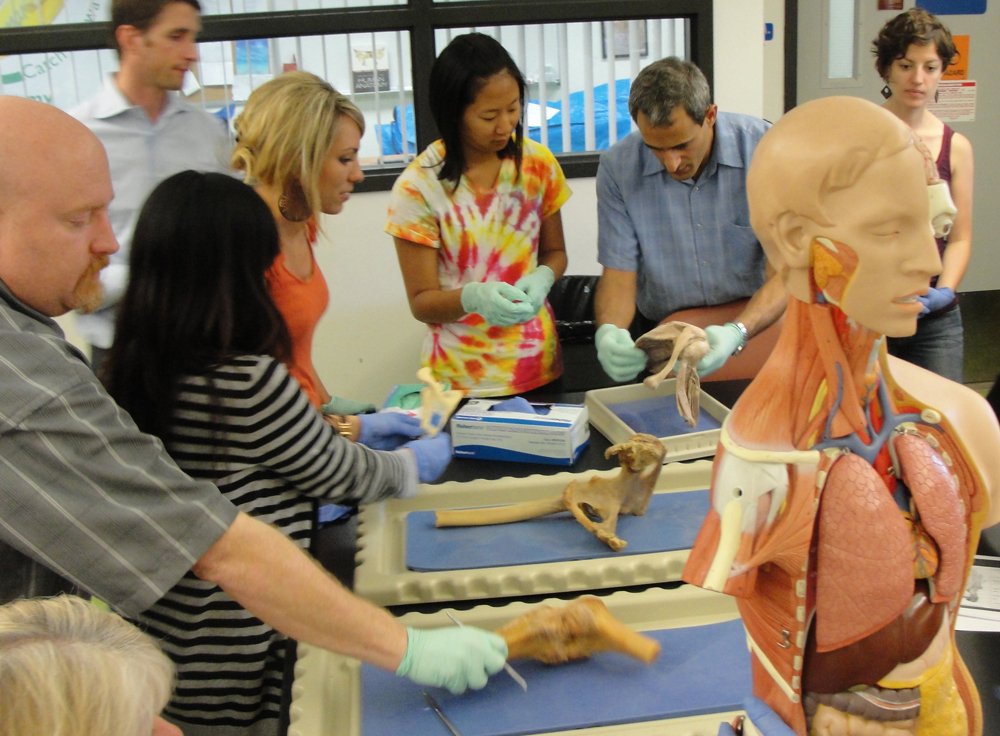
(746, 338)
(343, 426)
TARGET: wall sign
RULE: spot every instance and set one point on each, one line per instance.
(953, 7)
(956, 102)
(959, 66)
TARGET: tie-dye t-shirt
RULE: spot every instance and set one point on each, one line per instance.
(484, 235)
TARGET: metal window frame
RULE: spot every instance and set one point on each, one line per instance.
(419, 18)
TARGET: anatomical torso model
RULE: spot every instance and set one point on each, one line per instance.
(849, 488)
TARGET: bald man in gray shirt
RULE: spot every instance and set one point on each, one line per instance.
(93, 499)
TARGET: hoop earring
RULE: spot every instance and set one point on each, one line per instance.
(886, 92)
(292, 204)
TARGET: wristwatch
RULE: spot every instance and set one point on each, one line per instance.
(746, 338)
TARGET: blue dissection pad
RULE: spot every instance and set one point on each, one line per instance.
(659, 417)
(701, 669)
(671, 522)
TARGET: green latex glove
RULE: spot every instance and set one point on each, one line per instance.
(456, 658)
(617, 353)
(499, 303)
(337, 405)
(722, 341)
(536, 285)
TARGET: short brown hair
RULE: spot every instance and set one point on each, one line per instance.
(915, 26)
(140, 14)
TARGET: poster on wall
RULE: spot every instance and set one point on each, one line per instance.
(369, 63)
(890, 4)
(956, 101)
(953, 7)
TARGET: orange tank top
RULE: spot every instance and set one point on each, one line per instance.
(301, 303)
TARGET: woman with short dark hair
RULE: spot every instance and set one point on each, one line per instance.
(911, 53)
(477, 228)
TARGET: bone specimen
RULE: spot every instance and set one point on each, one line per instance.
(436, 404)
(557, 635)
(680, 345)
(629, 492)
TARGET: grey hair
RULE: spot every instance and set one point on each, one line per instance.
(68, 668)
(665, 84)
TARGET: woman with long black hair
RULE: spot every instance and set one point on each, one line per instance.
(197, 362)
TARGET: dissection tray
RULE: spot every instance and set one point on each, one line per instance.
(383, 577)
(702, 674)
(622, 411)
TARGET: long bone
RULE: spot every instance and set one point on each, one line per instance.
(676, 345)
(558, 635)
(629, 492)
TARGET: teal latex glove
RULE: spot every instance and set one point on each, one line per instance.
(499, 303)
(457, 658)
(722, 341)
(763, 718)
(617, 353)
(536, 285)
(337, 405)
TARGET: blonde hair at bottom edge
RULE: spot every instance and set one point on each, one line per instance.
(68, 668)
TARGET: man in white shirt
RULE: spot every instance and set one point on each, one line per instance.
(148, 130)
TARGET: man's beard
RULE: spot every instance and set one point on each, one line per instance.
(88, 294)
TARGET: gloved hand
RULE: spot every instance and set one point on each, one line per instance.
(764, 719)
(722, 341)
(456, 658)
(433, 455)
(499, 303)
(935, 299)
(388, 430)
(337, 405)
(617, 353)
(536, 285)
(517, 404)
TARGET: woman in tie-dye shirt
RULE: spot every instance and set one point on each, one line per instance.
(478, 231)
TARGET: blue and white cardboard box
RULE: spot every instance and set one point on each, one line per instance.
(555, 436)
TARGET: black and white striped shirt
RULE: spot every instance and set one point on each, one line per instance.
(82, 491)
(249, 428)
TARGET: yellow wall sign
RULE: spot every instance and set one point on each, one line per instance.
(959, 67)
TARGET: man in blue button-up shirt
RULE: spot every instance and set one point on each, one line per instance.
(149, 131)
(674, 226)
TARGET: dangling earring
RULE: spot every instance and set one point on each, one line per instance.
(886, 92)
(292, 204)
(936, 93)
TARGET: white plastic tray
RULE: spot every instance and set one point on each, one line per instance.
(679, 446)
(326, 696)
(381, 575)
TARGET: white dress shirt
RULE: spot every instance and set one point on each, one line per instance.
(142, 154)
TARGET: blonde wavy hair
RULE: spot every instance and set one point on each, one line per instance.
(287, 129)
(68, 668)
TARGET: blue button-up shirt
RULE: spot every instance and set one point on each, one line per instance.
(141, 154)
(689, 242)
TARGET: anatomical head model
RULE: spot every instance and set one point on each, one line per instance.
(849, 487)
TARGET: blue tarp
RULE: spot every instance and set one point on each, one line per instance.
(392, 134)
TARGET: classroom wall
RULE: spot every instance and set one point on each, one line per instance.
(984, 68)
